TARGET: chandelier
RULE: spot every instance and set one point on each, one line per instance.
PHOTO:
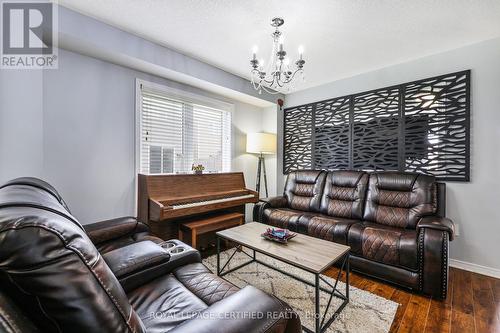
(279, 74)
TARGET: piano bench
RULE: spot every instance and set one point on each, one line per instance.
(210, 224)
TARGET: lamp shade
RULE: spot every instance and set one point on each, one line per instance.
(261, 143)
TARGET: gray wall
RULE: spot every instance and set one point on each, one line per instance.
(473, 206)
(75, 127)
(21, 125)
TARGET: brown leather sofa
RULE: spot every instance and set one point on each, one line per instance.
(53, 278)
(394, 222)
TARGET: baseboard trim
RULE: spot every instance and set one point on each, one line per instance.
(468, 266)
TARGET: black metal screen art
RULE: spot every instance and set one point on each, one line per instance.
(298, 137)
(331, 133)
(421, 126)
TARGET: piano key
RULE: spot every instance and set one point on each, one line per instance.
(209, 202)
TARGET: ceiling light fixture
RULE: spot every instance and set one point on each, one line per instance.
(278, 75)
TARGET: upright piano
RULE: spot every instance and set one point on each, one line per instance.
(164, 201)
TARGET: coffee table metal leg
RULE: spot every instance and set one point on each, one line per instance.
(218, 256)
(316, 308)
(347, 272)
(320, 325)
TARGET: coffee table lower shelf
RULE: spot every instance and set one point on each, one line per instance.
(320, 325)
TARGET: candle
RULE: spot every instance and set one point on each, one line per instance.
(301, 51)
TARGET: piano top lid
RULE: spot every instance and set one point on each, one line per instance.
(184, 185)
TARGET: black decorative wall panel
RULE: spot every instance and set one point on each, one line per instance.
(418, 126)
(376, 130)
(297, 139)
(331, 133)
(444, 102)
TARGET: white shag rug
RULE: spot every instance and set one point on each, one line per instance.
(365, 312)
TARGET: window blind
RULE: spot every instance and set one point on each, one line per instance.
(175, 134)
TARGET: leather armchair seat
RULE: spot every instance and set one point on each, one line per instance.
(393, 221)
(53, 277)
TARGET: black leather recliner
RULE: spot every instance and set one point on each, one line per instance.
(54, 279)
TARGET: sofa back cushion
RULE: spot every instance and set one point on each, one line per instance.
(344, 194)
(303, 189)
(52, 270)
(400, 199)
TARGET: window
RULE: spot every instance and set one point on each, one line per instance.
(177, 130)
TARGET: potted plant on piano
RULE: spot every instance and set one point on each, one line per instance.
(198, 169)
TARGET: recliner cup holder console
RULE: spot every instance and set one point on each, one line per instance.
(172, 247)
(177, 249)
(168, 245)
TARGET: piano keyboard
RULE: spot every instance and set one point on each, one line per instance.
(209, 202)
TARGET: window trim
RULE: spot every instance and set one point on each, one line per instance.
(188, 97)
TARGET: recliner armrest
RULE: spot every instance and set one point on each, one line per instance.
(103, 231)
(438, 223)
(275, 202)
(264, 203)
(248, 310)
(138, 263)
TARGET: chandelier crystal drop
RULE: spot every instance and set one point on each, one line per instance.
(278, 76)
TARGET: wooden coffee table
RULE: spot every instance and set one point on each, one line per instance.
(308, 253)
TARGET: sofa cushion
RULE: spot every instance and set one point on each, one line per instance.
(385, 244)
(283, 217)
(165, 303)
(344, 194)
(325, 227)
(303, 190)
(207, 286)
(400, 199)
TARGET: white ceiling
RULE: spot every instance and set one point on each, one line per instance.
(341, 38)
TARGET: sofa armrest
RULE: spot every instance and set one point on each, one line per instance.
(275, 202)
(264, 203)
(437, 223)
(248, 310)
(103, 231)
(433, 252)
(138, 263)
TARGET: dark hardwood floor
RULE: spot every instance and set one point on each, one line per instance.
(473, 304)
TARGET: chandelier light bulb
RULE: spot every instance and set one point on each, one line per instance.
(255, 49)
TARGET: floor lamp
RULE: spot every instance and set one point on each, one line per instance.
(261, 144)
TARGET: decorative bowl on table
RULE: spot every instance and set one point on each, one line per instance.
(278, 235)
